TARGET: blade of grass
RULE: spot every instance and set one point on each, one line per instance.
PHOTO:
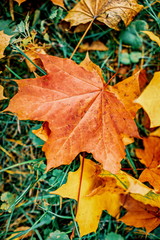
(8, 223)
(23, 54)
(73, 217)
(56, 215)
(131, 163)
(15, 74)
(22, 163)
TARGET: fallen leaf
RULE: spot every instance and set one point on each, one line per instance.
(107, 12)
(96, 190)
(83, 113)
(20, 1)
(150, 157)
(150, 198)
(96, 45)
(4, 42)
(152, 36)
(127, 182)
(92, 194)
(150, 100)
(134, 188)
(18, 230)
(59, 3)
(1, 93)
(140, 215)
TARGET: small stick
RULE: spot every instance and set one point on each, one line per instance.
(87, 29)
(11, 9)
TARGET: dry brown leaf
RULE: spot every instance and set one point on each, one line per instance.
(109, 12)
(84, 113)
(96, 45)
(4, 42)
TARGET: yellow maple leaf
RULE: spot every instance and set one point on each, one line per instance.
(92, 194)
(96, 190)
(150, 100)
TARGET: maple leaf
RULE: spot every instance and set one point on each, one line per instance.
(92, 193)
(139, 214)
(150, 157)
(127, 182)
(108, 12)
(150, 100)
(1, 93)
(84, 113)
(96, 190)
(4, 42)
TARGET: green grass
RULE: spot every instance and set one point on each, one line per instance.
(23, 164)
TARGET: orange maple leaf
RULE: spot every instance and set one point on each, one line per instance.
(83, 112)
(139, 214)
(150, 157)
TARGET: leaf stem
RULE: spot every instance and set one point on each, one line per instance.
(79, 191)
(87, 29)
